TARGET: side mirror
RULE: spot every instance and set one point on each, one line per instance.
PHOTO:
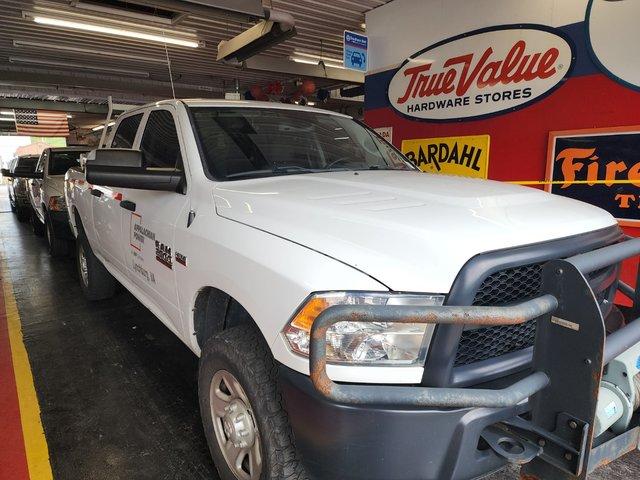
(6, 173)
(114, 167)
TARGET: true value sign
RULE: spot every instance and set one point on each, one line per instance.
(481, 73)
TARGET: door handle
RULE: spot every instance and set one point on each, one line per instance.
(128, 205)
(96, 193)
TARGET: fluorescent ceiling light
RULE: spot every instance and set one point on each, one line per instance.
(69, 116)
(319, 57)
(6, 112)
(311, 104)
(304, 60)
(333, 65)
(5, 119)
(120, 32)
(89, 51)
(79, 66)
(100, 127)
(308, 61)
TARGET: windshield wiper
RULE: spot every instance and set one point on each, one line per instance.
(285, 169)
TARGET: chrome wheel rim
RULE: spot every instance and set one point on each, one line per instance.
(234, 426)
(84, 270)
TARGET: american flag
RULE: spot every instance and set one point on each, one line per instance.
(41, 123)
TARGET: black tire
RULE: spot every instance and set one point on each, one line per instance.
(97, 283)
(36, 225)
(243, 352)
(58, 247)
(23, 214)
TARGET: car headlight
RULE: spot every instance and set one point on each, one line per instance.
(379, 343)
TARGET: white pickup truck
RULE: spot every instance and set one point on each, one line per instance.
(354, 317)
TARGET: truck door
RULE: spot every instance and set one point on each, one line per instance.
(149, 219)
(107, 213)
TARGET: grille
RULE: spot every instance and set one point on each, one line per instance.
(509, 286)
(500, 288)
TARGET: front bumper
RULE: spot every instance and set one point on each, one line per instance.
(555, 439)
(374, 442)
(60, 224)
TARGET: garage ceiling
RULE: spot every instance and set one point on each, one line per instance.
(55, 63)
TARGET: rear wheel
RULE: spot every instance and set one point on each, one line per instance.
(36, 224)
(58, 247)
(96, 281)
(244, 420)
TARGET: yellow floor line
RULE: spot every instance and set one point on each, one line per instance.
(35, 442)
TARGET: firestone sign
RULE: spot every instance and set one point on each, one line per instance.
(481, 73)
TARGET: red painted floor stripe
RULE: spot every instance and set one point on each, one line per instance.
(13, 459)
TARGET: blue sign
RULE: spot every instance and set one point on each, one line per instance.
(354, 48)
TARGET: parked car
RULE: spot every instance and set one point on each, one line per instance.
(307, 263)
(18, 194)
(46, 196)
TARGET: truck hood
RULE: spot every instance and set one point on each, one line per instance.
(412, 232)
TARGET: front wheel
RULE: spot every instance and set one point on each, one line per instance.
(58, 247)
(246, 426)
(36, 224)
(96, 281)
(22, 213)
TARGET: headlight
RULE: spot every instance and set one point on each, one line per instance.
(57, 204)
(378, 343)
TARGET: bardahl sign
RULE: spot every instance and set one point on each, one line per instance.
(598, 166)
(481, 73)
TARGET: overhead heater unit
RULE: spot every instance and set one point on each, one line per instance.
(276, 27)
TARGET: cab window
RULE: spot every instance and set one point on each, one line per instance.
(160, 146)
(126, 132)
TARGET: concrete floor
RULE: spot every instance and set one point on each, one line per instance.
(117, 390)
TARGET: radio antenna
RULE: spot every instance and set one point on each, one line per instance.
(166, 52)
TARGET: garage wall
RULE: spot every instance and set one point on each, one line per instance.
(588, 97)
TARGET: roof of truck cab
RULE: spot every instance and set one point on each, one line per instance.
(204, 102)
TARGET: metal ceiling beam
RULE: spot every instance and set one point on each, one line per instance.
(51, 105)
(108, 83)
(284, 65)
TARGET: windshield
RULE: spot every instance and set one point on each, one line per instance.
(60, 162)
(242, 143)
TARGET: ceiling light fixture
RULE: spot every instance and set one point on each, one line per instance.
(81, 66)
(308, 61)
(120, 32)
(5, 119)
(318, 57)
(303, 60)
(97, 128)
(89, 51)
(7, 112)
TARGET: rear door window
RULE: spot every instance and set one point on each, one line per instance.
(60, 162)
(160, 145)
(126, 132)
